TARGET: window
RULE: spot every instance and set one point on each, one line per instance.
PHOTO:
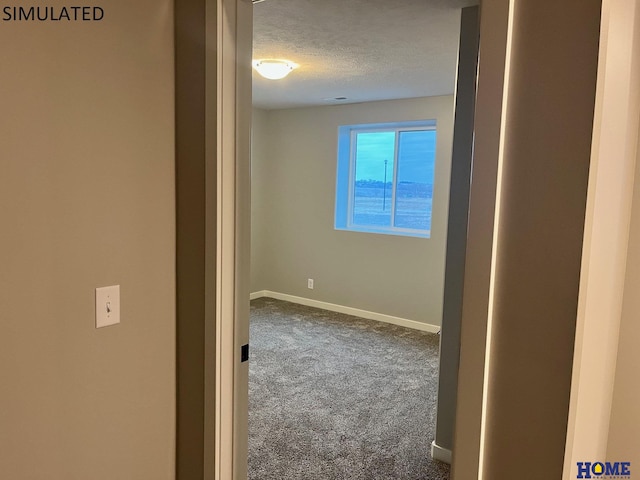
(385, 178)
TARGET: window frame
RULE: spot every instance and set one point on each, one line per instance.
(347, 134)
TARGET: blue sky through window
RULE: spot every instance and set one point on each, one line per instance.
(418, 155)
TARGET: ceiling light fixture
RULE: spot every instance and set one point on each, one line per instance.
(274, 69)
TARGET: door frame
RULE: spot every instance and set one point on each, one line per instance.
(233, 236)
(212, 45)
(233, 241)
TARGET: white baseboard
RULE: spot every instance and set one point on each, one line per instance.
(440, 454)
(381, 317)
(260, 294)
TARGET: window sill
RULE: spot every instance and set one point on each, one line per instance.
(387, 231)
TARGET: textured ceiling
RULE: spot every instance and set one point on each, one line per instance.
(360, 49)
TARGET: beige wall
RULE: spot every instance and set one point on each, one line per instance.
(546, 146)
(624, 427)
(488, 131)
(260, 200)
(87, 200)
(293, 182)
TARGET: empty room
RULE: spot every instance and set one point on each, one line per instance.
(352, 142)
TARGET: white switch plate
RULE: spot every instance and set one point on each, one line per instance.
(107, 306)
(310, 283)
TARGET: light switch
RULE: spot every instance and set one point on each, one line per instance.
(107, 306)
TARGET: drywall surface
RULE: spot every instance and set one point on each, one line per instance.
(624, 426)
(488, 129)
(542, 196)
(295, 188)
(260, 199)
(608, 214)
(87, 200)
(457, 227)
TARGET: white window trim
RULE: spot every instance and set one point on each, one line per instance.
(396, 127)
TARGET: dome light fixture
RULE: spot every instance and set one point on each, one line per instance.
(274, 69)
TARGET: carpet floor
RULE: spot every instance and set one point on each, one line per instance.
(332, 396)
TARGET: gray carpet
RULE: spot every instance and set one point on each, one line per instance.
(333, 396)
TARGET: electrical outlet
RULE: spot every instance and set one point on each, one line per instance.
(310, 283)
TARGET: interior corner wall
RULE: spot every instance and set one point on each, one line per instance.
(259, 198)
(87, 200)
(294, 181)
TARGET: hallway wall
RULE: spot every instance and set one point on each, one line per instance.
(87, 200)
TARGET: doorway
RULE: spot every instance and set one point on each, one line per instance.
(294, 236)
